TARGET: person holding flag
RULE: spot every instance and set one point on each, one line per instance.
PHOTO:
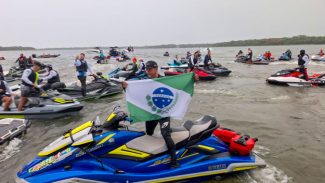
(155, 99)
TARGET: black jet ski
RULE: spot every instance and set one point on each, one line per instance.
(113, 52)
(244, 59)
(17, 72)
(46, 106)
(45, 56)
(98, 88)
(11, 128)
(119, 73)
(166, 54)
(216, 69)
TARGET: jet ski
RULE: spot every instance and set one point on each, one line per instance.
(203, 75)
(11, 128)
(119, 73)
(286, 56)
(98, 88)
(244, 59)
(318, 58)
(216, 69)
(261, 58)
(293, 77)
(47, 106)
(183, 63)
(113, 52)
(166, 54)
(17, 72)
(113, 152)
(45, 56)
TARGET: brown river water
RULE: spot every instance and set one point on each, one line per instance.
(289, 122)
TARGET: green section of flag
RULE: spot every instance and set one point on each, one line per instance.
(139, 115)
(184, 82)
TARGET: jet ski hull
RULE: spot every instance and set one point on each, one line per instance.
(296, 82)
(111, 153)
(93, 171)
(93, 92)
(45, 112)
(318, 58)
(11, 128)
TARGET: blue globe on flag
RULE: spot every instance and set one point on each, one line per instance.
(162, 97)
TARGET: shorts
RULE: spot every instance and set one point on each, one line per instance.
(28, 91)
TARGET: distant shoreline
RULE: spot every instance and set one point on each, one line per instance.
(295, 40)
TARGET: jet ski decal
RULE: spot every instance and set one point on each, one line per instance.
(125, 151)
(62, 100)
(51, 160)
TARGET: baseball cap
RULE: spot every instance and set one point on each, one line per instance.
(151, 64)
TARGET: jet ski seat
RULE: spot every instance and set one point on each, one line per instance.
(190, 132)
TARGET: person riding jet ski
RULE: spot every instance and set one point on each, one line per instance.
(151, 73)
(22, 61)
(249, 56)
(101, 57)
(240, 54)
(207, 59)
(82, 67)
(5, 95)
(287, 55)
(29, 85)
(194, 60)
(303, 62)
(267, 55)
(134, 68)
(321, 53)
(52, 76)
(141, 68)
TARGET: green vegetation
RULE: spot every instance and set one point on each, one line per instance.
(15, 48)
(296, 40)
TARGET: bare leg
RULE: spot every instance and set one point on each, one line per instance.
(22, 102)
(6, 103)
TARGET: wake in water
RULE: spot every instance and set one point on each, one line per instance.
(269, 174)
(212, 91)
(11, 149)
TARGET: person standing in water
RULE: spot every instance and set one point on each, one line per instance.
(303, 61)
(82, 67)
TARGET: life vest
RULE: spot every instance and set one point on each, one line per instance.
(83, 67)
(33, 77)
(301, 60)
(55, 78)
(143, 68)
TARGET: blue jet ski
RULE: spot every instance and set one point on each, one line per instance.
(113, 152)
(286, 56)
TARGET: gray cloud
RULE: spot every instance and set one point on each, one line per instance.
(68, 23)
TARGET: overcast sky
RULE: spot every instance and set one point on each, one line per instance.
(76, 23)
